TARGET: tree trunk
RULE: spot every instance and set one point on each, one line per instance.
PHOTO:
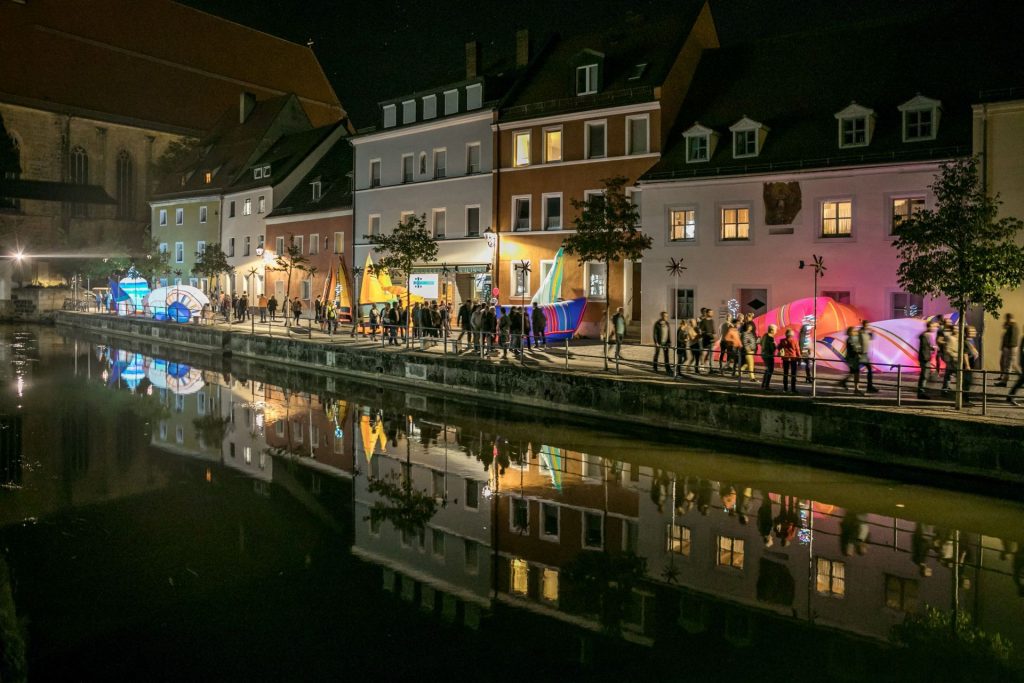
(961, 326)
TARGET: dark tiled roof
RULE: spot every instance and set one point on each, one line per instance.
(282, 157)
(230, 149)
(152, 61)
(334, 173)
(796, 84)
(625, 43)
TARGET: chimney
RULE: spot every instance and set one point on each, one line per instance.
(246, 103)
(472, 59)
(522, 48)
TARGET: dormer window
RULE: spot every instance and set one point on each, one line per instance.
(429, 107)
(856, 126)
(389, 115)
(586, 79)
(257, 173)
(700, 143)
(747, 137)
(317, 189)
(920, 118)
(637, 71)
(208, 177)
(409, 111)
(474, 96)
(266, 171)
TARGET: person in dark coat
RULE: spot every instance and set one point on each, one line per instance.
(925, 351)
(539, 323)
(272, 307)
(661, 335)
(768, 357)
(463, 321)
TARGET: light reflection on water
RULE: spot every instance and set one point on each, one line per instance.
(494, 509)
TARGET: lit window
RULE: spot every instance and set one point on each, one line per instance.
(637, 141)
(279, 245)
(521, 213)
(553, 145)
(697, 148)
(549, 584)
(552, 211)
(678, 539)
(521, 149)
(472, 158)
(179, 216)
(586, 79)
(520, 576)
(317, 190)
(208, 177)
(682, 225)
(730, 552)
(831, 578)
(900, 593)
(247, 207)
(597, 280)
(520, 280)
(903, 208)
(596, 142)
(736, 224)
(593, 530)
(202, 214)
(836, 218)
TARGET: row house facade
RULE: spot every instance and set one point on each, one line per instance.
(432, 155)
(597, 106)
(755, 181)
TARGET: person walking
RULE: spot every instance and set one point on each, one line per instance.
(1010, 342)
(272, 307)
(490, 323)
(662, 337)
(853, 359)
(374, 322)
(748, 341)
(619, 331)
(332, 318)
(940, 346)
(393, 318)
(768, 357)
(527, 328)
(695, 345)
(807, 345)
(970, 361)
(950, 356)
(723, 346)
(925, 351)
(789, 350)
(706, 327)
(476, 319)
(318, 311)
(731, 342)
(1019, 384)
(296, 309)
(682, 344)
(262, 303)
(504, 329)
(463, 321)
(866, 335)
(540, 323)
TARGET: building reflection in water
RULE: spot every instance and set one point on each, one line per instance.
(688, 537)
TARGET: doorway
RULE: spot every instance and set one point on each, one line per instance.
(634, 305)
(753, 301)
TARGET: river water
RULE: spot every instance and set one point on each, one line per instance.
(177, 515)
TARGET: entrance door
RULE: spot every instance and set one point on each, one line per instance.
(635, 306)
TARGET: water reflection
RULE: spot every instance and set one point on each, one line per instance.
(469, 510)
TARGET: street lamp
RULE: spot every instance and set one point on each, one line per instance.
(818, 264)
(357, 271)
(494, 243)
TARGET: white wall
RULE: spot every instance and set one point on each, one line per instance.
(863, 264)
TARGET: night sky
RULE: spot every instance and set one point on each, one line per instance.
(381, 49)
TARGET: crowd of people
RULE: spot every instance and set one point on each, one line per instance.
(736, 343)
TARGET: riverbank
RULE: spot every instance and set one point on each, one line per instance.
(886, 436)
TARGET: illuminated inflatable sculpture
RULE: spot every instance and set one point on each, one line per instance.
(177, 303)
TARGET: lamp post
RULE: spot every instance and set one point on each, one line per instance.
(524, 268)
(494, 242)
(818, 264)
(675, 268)
(446, 322)
(357, 271)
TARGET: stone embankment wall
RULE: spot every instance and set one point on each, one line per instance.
(819, 431)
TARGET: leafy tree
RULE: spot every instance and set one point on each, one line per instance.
(176, 154)
(961, 250)
(290, 261)
(151, 263)
(607, 231)
(212, 262)
(409, 243)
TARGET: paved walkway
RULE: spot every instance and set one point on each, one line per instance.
(585, 355)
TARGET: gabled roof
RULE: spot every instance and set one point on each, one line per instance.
(154, 63)
(334, 173)
(797, 83)
(45, 190)
(232, 147)
(282, 157)
(622, 45)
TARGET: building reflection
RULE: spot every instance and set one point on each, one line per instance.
(643, 539)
